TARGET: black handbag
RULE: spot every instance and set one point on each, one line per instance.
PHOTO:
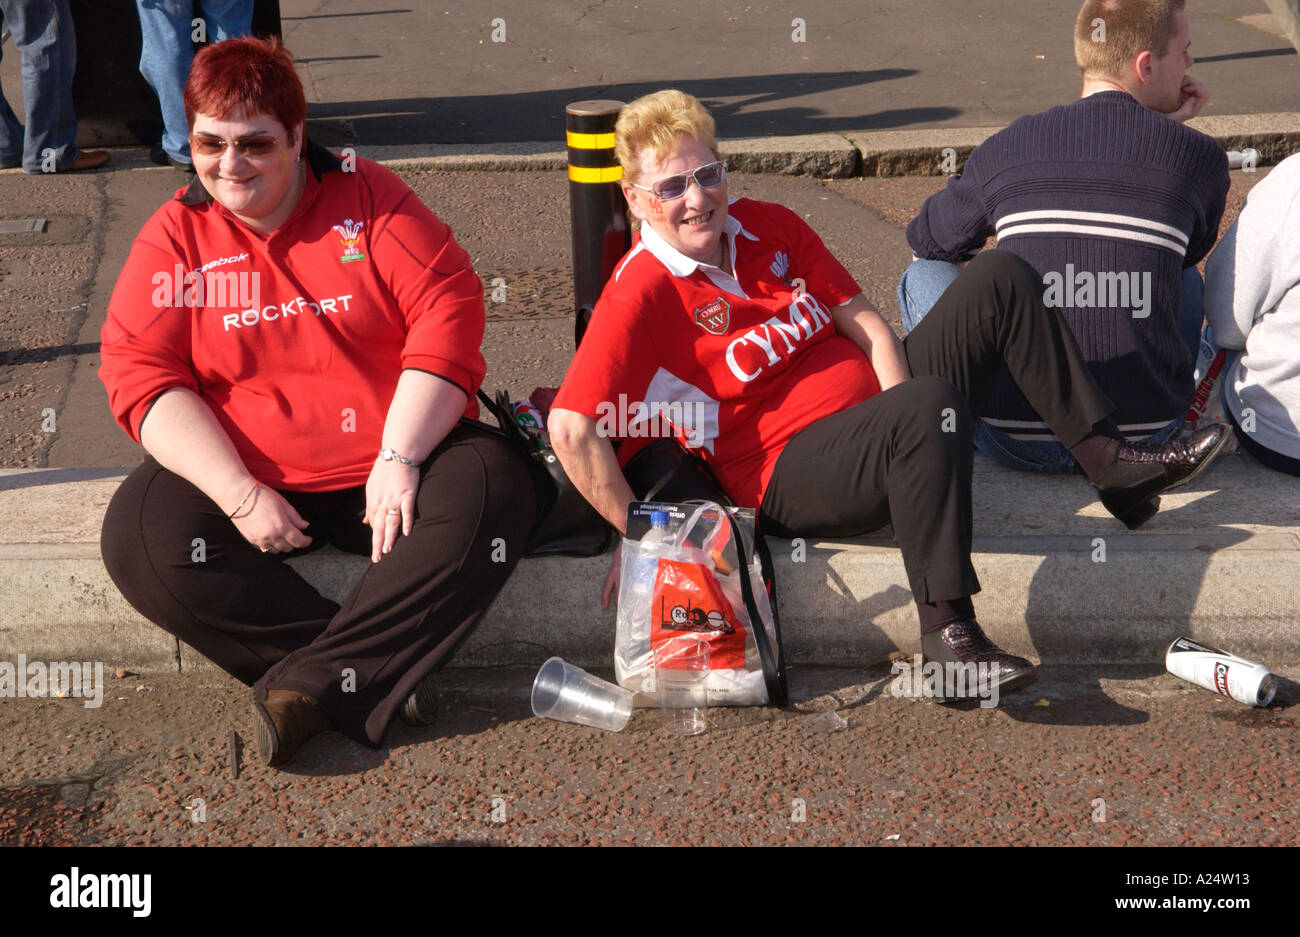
(666, 471)
(566, 525)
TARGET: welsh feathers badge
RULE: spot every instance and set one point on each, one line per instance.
(714, 317)
(350, 233)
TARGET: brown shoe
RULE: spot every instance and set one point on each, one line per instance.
(284, 720)
(89, 159)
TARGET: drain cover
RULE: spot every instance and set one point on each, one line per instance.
(24, 226)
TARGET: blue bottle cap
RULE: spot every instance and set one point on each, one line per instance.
(658, 518)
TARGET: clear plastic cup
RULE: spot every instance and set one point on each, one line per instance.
(681, 670)
(570, 694)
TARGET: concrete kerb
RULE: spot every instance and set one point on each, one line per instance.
(831, 155)
(1063, 582)
(917, 152)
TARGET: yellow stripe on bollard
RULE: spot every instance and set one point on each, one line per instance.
(589, 141)
(592, 174)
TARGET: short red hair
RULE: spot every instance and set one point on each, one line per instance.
(245, 76)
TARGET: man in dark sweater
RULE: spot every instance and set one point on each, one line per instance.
(1113, 201)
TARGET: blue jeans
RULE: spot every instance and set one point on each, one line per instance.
(166, 30)
(43, 35)
(925, 281)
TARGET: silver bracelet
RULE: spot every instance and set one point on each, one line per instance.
(232, 514)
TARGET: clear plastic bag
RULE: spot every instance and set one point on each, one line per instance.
(689, 594)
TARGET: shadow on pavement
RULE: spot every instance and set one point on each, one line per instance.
(334, 16)
(32, 479)
(737, 104)
(46, 353)
(1236, 56)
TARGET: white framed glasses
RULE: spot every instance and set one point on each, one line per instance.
(668, 188)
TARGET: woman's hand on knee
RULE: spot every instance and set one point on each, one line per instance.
(390, 504)
(270, 523)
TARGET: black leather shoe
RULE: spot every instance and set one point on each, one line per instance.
(963, 642)
(161, 157)
(1141, 471)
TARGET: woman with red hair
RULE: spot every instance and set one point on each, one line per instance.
(294, 340)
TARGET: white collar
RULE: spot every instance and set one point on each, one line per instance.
(679, 265)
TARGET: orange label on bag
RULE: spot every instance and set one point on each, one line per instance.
(688, 600)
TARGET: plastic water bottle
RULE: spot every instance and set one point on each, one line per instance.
(649, 548)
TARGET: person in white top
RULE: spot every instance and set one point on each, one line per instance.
(1252, 305)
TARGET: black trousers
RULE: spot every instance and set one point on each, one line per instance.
(906, 455)
(257, 619)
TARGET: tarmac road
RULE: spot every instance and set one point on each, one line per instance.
(462, 72)
(1122, 756)
(468, 72)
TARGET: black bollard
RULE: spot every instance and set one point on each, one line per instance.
(597, 209)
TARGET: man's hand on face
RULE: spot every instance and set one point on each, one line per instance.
(1191, 98)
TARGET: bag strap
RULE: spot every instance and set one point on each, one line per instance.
(772, 658)
(500, 409)
(659, 485)
(685, 456)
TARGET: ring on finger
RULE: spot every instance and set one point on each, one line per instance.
(393, 512)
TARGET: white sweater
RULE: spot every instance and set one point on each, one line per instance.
(1252, 301)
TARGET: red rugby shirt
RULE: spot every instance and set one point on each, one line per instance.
(361, 282)
(747, 361)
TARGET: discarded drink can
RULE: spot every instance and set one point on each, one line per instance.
(1208, 667)
(526, 415)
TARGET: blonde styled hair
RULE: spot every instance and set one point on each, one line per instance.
(1131, 27)
(657, 122)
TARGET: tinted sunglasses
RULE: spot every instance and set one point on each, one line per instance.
(670, 187)
(248, 147)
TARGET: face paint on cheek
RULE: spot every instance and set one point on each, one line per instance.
(657, 210)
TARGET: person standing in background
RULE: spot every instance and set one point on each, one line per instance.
(43, 34)
(168, 31)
